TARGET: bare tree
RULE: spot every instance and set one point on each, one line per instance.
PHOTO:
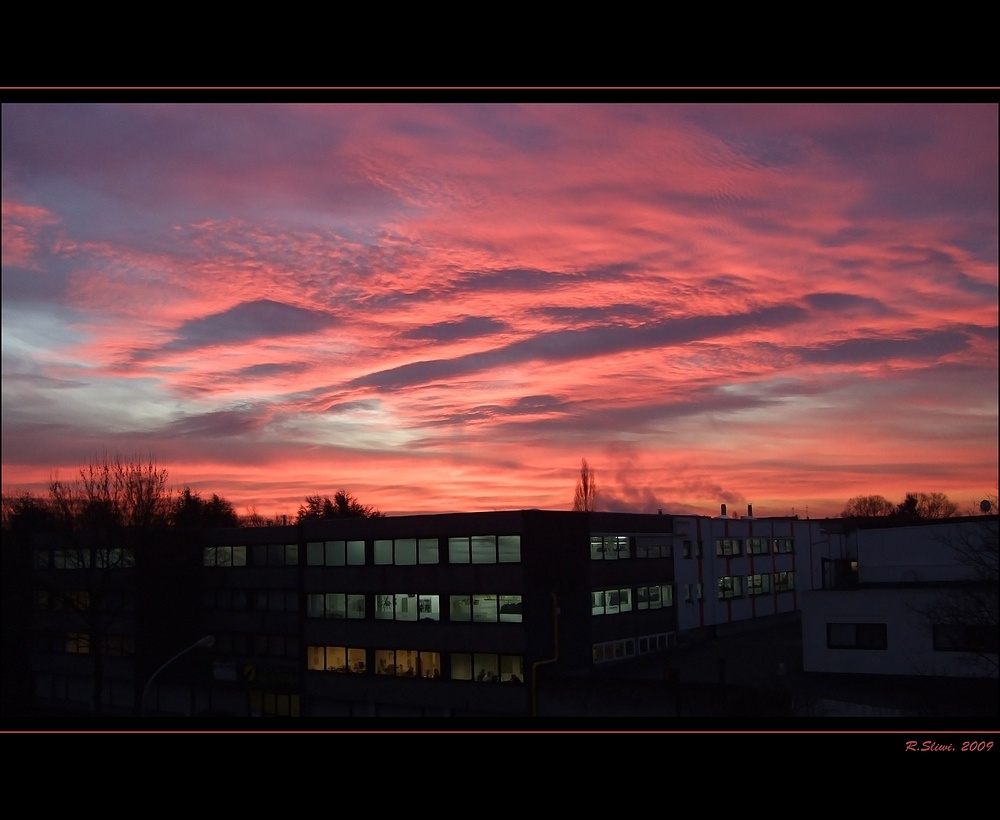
(585, 498)
(868, 506)
(965, 617)
(102, 519)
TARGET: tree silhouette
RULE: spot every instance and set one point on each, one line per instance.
(343, 505)
(190, 510)
(868, 506)
(102, 519)
(585, 497)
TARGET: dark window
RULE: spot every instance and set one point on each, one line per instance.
(965, 638)
(856, 636)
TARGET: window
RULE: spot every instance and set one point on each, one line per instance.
(484, 668)
(655, 643)
(509, 549)
(125, 559)
(784, 581)
(730, 586)
(335, 605)
(699, 592)
(78, 643)
(461, 608)
(71, 559)
(484, 549)
(458, 550)
(336, 659)
(759, 584)
(404, 606)
(856, 636)
(510, 609)
(614, 650)
(427, 551)
(784, 545)
(654, 597)
(274, 555)
(687, 549)
(611, 601)
(270, 704)
(609, 547)
(758, 546)
(407, 663)
(335, 553)
(649, 546)
(484, 609)
(383, 551)
(965, 638)
(429, 607)
(727, 546)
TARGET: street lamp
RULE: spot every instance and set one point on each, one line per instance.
(205, 643)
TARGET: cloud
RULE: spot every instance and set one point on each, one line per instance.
(562, 345)
(471, 327)
(249, 321)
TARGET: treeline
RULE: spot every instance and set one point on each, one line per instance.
(914, 507)
(113, 492)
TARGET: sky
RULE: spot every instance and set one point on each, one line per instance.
(446, 307)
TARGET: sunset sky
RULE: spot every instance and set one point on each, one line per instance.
(443, 308)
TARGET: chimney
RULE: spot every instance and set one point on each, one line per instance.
(749, 510)
(659, 512)
(723, 513)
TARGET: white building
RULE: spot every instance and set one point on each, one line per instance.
(901, 614)
(730, 570)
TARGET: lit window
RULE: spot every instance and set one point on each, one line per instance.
(406, 607)
(336, 659)
(429, 607)
(655, 597)
(730, 586)
(484, 608)
(609, 547)
(405, 551)
(510, 609)
(355, 553)
(759, 584)
(78, 643)
(383, 608)
(611, 601)
(430, 664)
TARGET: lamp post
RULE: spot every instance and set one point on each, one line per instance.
(205, 643)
